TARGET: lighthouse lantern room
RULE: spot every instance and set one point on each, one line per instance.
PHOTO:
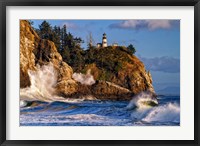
(104, 41)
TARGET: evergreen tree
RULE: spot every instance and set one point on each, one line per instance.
(56, 38)
(131, 48)
(67, 45)
(31, 22)
(69, 40)
(64, 35)
(46, 31)
(78, 41)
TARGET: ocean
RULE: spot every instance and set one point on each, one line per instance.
(88, 112)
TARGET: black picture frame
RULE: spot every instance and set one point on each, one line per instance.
(5, 3)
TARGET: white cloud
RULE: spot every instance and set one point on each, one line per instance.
(155, 24)
(129, 24)
(163, 64)
(139, 24)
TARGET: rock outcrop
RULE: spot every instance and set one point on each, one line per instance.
(119, 75)
(103, 90)
(116, 65)
(36, 51)
(108, 90)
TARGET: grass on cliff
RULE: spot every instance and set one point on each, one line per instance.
(104, 62)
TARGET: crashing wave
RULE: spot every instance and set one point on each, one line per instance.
(87, 79)
(167, 113)
(147, 111)
(43, 81)
(142, 100)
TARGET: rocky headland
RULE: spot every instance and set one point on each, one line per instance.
(118, 75)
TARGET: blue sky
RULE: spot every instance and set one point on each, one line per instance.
(157, 42)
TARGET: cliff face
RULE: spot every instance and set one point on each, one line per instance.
(33, 51)
(119, 75)
(116, 65)
(104, 90)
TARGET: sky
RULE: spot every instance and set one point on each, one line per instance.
(157, 42)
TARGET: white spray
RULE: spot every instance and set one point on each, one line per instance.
(166, 113)
(145, 112)
(87, 79)
(43, 81)
(142, 100)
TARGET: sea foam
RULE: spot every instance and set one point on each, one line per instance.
(166, 113)
(85, 79)
(143, 111)
(142, 100)
(43, 81)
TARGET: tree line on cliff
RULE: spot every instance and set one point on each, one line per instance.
(70, 48)
(112, 65)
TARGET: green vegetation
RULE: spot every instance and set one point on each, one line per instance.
(109, 60)
(59, 35)
(67, 45)
(131, 48)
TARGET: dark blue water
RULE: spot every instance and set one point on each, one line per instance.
(102, 113)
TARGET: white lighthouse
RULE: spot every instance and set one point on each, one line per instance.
(104, 41)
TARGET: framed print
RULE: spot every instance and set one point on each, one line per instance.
(99, 73)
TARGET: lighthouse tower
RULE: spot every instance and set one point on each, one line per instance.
(104, 41)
